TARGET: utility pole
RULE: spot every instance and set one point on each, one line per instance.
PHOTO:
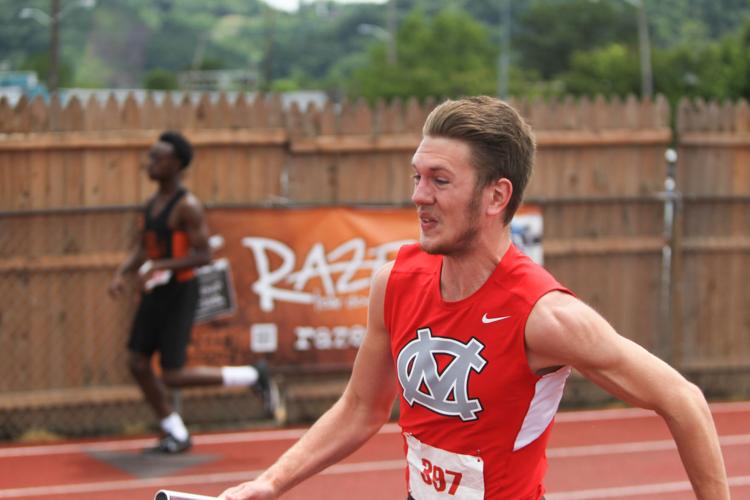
(53, 21)
(270, 28)
(54, 46)
(503, 66)
(392, 24)
(644, 43)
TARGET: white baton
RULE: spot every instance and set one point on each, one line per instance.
(179, 495)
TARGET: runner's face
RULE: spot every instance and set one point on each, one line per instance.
(161, 162)
(445, 195)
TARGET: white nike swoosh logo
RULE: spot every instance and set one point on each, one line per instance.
(486, 320)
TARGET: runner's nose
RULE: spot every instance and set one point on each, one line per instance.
(422, 194)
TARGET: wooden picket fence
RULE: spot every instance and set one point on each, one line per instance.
(712, 241)
(71, 179)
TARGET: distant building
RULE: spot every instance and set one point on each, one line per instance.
(13, 93)
(14, 84)
(218, 80)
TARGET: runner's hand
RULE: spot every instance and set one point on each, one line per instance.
(151, 277)
(251, 490)
(116, 286)
(145, 273)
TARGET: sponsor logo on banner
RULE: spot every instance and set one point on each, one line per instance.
(264, 337)
(335, 271)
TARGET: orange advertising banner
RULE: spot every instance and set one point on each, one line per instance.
(293, 284)
(301, 281)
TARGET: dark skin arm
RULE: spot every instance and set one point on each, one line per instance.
(133, 261)
(188, 216)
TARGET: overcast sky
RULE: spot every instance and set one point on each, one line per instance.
(293, 5)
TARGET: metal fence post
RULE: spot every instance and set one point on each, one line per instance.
(664, 339)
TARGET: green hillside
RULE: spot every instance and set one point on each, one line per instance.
(443, 47)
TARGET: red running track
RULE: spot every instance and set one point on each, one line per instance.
(613, 454)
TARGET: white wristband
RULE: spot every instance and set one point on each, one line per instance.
(145, 268)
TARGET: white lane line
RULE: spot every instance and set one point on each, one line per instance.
(386, 465)
(635, 447)
(137, 444)
(193, 479)
(631, 491)
(628, 413)
(347, 468)
(294, 434)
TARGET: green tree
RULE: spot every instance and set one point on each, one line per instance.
(674, 21)
(612, 70)
(719, 70)
(39, 63)
(160, 79)
(551, 31)
(449, 55)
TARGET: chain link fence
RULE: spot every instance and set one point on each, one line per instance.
(63, 339)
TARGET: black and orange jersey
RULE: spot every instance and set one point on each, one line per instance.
(162, 242)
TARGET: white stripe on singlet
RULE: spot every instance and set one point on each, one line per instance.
(547, 395)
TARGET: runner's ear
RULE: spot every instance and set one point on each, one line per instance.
(500, 192)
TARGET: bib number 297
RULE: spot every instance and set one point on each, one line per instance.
(437, 474)
(439, 478)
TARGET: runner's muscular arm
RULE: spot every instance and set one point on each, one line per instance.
(132, 262)
(362, 409)
(562, 330)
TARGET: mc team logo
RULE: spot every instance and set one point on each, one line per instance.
(445, 393)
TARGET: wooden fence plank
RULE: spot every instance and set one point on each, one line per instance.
(169, 112)
(391, 117)
(311, 120)
(601, 115)
(203, 112)
(186, 115)
(6, 180)
(150, 116)
(20, 119)
(6, 116)
(295, 125)
(240, 113)
(93, 114)
(131, 113)
(413, 116)
(39, 115)
(221, 116)
(111, 119)
(328, 120)
(38, 172)
(276, 114)
(69, 165)
(742, 117)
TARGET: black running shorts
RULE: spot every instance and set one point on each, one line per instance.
(164, 321)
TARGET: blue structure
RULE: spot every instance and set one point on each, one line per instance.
(15, 84)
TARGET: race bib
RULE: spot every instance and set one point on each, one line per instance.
(440, 474)
(159, 278)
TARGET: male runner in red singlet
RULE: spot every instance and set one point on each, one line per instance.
(477, 340)
(172, 244)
